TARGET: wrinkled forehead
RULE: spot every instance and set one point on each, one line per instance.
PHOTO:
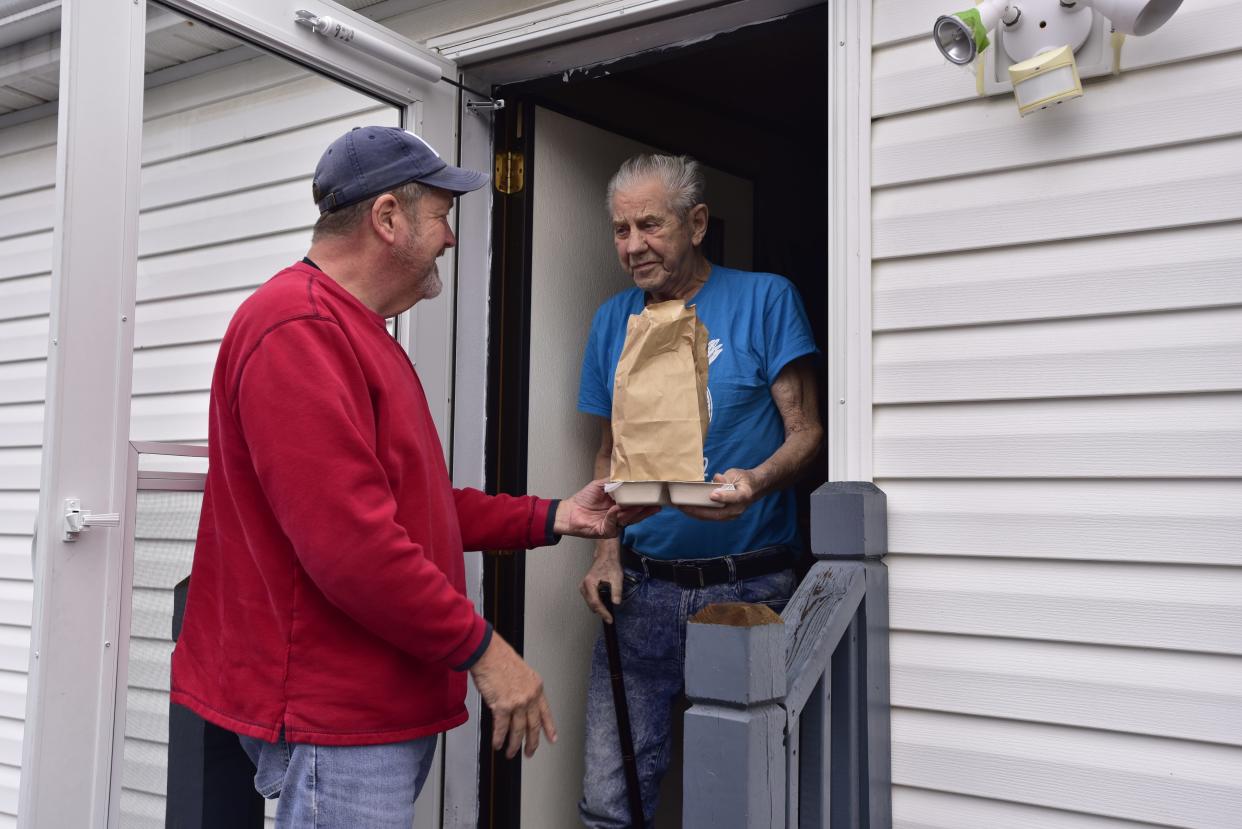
(645, 197)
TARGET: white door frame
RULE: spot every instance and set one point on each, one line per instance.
(472, 285)
(849, 241)
(75, 674)
(67, 744)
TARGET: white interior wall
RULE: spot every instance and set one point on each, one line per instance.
(574, 270)
(1058, 426)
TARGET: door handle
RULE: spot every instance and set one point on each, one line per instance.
(78, 519)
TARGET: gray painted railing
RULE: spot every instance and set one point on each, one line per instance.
(789, 717)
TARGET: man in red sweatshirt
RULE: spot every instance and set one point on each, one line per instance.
(327, 622)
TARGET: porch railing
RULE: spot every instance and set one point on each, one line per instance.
(789, 717)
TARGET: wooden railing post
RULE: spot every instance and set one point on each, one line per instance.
(849, 526)
(735, 729)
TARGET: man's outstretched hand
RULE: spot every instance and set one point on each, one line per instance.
(514, 693)
(591, 513)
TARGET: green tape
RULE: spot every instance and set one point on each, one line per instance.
(972, 19)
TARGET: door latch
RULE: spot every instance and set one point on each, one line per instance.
(78, 519)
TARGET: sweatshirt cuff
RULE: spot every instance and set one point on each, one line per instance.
(551, 537)
(477, 653)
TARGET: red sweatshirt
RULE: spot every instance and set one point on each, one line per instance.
(327, 595)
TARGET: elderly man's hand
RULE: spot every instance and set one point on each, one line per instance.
(591, 513)
(606, 568)
(744, 493)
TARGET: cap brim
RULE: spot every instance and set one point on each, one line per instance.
(455, 179)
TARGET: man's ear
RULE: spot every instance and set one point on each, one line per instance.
(698, 224)
(384, 217)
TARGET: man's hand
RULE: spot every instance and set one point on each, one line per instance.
(514, 693)
(607, 568)
(746, 491)
(591, 513)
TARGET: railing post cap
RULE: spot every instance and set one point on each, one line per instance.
(849, 519)
(735, 654)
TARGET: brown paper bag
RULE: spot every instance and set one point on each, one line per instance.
(659, 399)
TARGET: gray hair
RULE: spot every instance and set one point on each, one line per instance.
(345, 220)
(680, 174)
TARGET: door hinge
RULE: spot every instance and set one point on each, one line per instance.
(78, 519)
(510, 172)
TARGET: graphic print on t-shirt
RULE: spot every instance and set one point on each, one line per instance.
(714, 348)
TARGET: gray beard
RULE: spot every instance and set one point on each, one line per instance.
(431, 285)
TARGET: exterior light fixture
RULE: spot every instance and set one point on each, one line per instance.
(1135, 17)
(1039, 38)
(963, 35)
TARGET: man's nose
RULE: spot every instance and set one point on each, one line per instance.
(450, 240)
(635, 243)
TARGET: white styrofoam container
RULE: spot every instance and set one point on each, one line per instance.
(676, 493)
(638, 493)
(695, 493)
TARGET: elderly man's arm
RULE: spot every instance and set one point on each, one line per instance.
(794, 392)
(607, 564)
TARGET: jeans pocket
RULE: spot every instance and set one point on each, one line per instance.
(271, 761)
(772, 590)
(631, 580)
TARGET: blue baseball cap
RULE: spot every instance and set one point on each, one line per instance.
(367, 161)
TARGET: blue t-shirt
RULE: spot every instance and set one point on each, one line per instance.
(756, 326)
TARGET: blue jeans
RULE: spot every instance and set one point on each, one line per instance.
(651, 630)
(341, 787)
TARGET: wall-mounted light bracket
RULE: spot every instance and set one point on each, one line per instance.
(1045, 25)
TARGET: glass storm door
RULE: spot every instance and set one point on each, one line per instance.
(186, 136)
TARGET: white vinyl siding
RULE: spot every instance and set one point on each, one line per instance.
(27, 172)
(227, 158)
(1058, 426)
(166, 525)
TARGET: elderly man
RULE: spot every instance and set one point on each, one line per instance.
(764, 431)
(327, 622)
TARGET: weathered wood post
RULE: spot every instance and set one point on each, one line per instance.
(849, 526)
(734, 731)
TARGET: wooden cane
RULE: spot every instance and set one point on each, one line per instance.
(628, 760)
